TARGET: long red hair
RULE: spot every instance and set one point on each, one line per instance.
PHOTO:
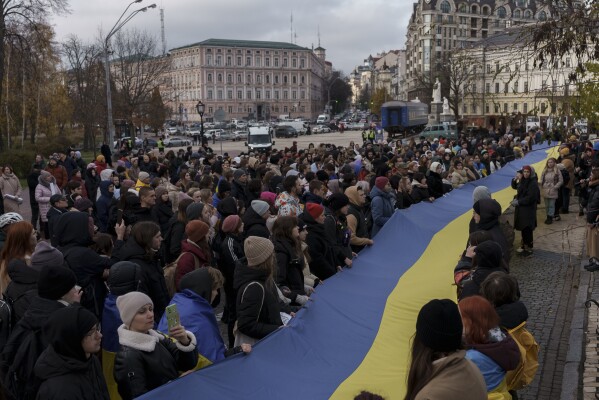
(478, 317)
(18, 245)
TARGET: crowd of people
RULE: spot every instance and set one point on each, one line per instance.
(128, 235)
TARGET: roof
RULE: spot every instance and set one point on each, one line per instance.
(511, 36)
(243, 43)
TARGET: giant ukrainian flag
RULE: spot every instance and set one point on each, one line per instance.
(355, 332)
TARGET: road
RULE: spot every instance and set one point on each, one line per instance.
(234, 148)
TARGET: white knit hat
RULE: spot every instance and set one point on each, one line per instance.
(129, 304)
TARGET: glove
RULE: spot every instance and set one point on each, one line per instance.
(514, 202)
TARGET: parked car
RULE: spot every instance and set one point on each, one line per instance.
(172, 130)
(434, 131)
(321, 129)
(217, 132)
(138, 142)
(176, 142)
(285, 131)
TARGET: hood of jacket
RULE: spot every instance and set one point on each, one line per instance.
(513, 314)
(131, 250)
(309, 197)
(490, 211)
(505, 352)
(72, 229)
(245, 274)
(20, 272)
(106, 174)
(104, 185)
(251, 218)
(193, 248)
(353, 194)
(199, 282)
(38, 312)
(51, 364)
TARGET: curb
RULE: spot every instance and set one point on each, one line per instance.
(574, 366)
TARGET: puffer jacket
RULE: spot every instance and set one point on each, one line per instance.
(258, 310)
(9, 184)
(459, 178)
(382, 208)
(68, 378)
(149, 360)
(42, 196)
(551, 181)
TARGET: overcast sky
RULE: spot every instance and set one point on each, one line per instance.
(350, 30)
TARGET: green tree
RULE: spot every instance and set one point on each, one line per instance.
(379, 97)
(156, 112)
(588, 102)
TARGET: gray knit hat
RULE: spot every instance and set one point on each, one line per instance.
(260, 207)
(46, 255)
(129, 304)
(194, 211)
(257, 250)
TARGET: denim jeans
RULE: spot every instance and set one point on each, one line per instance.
(550, 206)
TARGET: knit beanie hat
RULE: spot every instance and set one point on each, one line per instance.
(257, 250)
(46, 255)
(314, 210)
(269, 197)
(260, 207)
(527, 167)
(381, 182)
(82, 204)
(337, 201)
(227, 206)
(488, 255)
(196, 230)
(129, 304)
(194, 211)
(439, 325)
(239, 173)
(231, 223)
(55, 281)
(480, 192)
(143, 176)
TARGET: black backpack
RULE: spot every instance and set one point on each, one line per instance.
(20, 382)
(7, 320)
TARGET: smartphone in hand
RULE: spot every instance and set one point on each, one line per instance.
(119, 216)
(172, 316)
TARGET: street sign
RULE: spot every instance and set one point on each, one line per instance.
(220, 115)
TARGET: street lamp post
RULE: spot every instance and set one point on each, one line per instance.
(200, 107)
(117, 26)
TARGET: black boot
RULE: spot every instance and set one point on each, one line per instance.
(549, 220)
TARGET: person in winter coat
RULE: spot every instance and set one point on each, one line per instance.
(148, 359)
(290, 260)
(323, 262)
(254, 219)
(68, 368)
(56, 289)
(439, 368)
(551, 181)
(141, 248)
(592, 218)
(239, 186)
(567, 188)
(459, 176)
(488, 346)
(11, 190)
(199, 289)
(525, 214)
(488, 258)
(288, 202)
(20, 244)
(381, 204)
(231, 252)
(356, 220)
(486, 213)
(162, 211)
(434, 180)
(92, 182)
(44, 190)
(502, 291)
(89, 267)
(335, 227)
(175, 232)
(103, 204)
(420, 189)
(22, 289)
(195, 250)
(58, 172)
(258, 310)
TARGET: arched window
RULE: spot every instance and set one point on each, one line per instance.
(501, 13)
(474, 9)
(517, 14)
(209, 77)
(528, 14)
(463, 8)
(486, 10)
(220, 77)
(248, 78)
(445, 7)
(229, 78)
(542, 16)
(267, 78)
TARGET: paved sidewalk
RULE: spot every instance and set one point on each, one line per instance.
(549, 283)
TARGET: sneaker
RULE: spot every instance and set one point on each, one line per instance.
(557, 218)
(549, 221)
(520, 249)
(527, 253)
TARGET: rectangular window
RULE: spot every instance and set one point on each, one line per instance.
(487, 110)
(516, 107)
(248, 61)
(239, 95)
(294, 63)
(229, 62)
(220, 94)
(258, 94)
(526, 87)
(294, 95)
(248, 95)
(516, 87)
(238, 61)
(209, 60)
(258, 61)
(525, 108)
(276, 95)
(505, 87)
(276, 62)
(568, 63)
(487, 88)
(553, 108)
(496, 108)
(302, 63)
(230, 110)
(267, 94)
(496, 87)
(303, 94)
(230, 94)
(488, 68)
(285, 95)
(505, 108)
(218, 60)
(210, 95)
(210, 110)
(267, 62)
(284, 63)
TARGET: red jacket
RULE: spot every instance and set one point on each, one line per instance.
(60, 173)
(187, 262)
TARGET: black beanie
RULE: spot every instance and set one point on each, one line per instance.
(55, 281)
(439, 325)
(337, 201)
(223, 186)
(66, 329)
(322, 176)
(488, 255)
(125, 277)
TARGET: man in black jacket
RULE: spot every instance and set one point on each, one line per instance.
(58, 206)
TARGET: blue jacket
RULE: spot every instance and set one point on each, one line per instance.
(103, 205)
(197, 316)
(382, 207)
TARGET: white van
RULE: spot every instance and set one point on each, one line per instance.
(259, 139)
(323, 119)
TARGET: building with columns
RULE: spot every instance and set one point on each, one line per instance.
(246, 79)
